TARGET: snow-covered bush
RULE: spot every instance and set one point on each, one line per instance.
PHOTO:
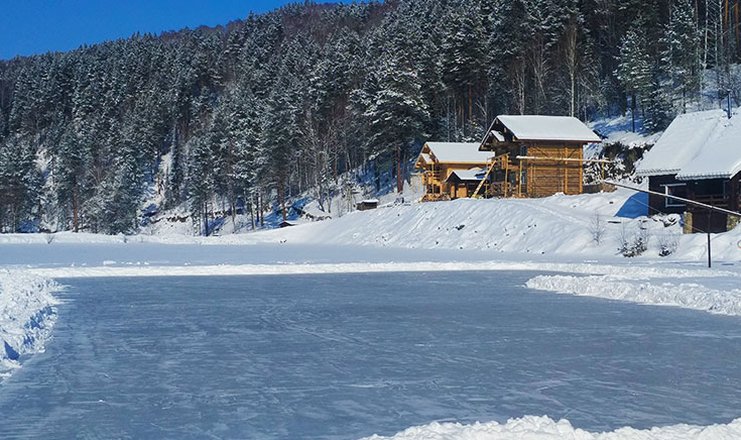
(668, 244)
(633, 243)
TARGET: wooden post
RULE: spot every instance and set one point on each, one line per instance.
(519, 181)
(565, 172)
(505, 187)
(710, 260)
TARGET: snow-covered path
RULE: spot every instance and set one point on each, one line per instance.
(348, 355)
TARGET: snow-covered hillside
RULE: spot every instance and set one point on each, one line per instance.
(559, 225)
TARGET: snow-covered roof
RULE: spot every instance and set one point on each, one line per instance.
(458, 152)
(547, 128)
(425, 157)
(472, 174)
(498, 136)
(682, 141)
(720, 158)
(699, 145)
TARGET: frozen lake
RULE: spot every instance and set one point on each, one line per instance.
(345, 356)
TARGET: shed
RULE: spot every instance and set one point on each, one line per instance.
(438, 160)
(699, 158)
(365, 205)
(465, 182)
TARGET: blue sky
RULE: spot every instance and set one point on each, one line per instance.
(36, 26)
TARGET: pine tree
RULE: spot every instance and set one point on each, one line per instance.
(20, 183)
(681, 54)
(72, 166)
(464, 59)
(200, 182)
(396, 112)
(282, 132)
(634, 70)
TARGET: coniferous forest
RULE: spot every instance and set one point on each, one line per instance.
(262, 109)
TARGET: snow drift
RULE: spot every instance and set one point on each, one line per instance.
(27, 315)
(686, 295)
(544, 428)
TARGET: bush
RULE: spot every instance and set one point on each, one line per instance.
(633, 244)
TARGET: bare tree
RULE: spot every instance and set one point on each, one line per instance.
(597, 228)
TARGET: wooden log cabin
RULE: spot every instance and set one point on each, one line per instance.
(536, 156)
(697, 158)
(449, 169)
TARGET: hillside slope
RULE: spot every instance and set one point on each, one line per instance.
(559, 225)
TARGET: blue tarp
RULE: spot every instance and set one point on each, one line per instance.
(636, 206)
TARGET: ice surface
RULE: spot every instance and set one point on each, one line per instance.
(346, 356)
(190, 360)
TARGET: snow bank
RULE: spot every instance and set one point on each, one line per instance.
(544, 428)
(27, 315)
(687, 295)
(146, 270)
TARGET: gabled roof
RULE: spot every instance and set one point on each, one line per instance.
(681, 142)
(695, 146)
(546, 128)
(720, 158)
(458, 152)
(475, 174)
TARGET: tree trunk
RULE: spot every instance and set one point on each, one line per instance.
(399, 174)
(205, 218)
(252, 212)
(75, 209)
(282, 197)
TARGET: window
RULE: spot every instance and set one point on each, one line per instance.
(675, 189)
(709, 187)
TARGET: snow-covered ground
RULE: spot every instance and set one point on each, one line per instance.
(555, 234)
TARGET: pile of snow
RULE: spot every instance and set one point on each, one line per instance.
(544, 428)
(27, 316)
(622, 288)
